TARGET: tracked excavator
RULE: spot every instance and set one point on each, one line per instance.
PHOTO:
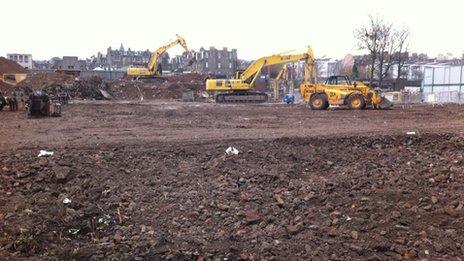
(238, 89)
(153, 69)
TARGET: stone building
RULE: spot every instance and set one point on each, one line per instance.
(122, 59)
(218, 62)
(70, 63)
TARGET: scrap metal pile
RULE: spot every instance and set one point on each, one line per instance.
(95, 88)
(62, 85)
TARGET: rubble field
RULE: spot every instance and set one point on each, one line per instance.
(170, 87)
(152, 180)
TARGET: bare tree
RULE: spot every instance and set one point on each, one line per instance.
(387, 47)
(368, 39)
(402, 39)
(382, 41)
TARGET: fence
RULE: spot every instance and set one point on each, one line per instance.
(448, 79)
(107, 75)
(407, 99)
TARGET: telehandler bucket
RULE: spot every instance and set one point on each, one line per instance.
(384, 104)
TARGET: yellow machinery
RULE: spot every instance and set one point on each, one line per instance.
(13, 78)
(238, 88)
(338, 90)
(153, 69)
(282, 77)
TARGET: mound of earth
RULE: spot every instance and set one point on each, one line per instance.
(9, 66)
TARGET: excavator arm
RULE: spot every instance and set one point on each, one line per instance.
(152, 68)
(250, 74)
(153, 63)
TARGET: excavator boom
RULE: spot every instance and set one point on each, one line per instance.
(153, 69)
(153, 63)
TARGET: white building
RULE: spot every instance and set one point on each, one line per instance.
(327, 67)
(25, 60)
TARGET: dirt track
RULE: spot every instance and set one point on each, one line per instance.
(96, 123)
(151, 181)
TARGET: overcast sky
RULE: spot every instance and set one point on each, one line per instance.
(48, 28)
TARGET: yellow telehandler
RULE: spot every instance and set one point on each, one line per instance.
(339, 90)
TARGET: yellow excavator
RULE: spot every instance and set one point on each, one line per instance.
(153, 69)
(238, 89)
(339, 90)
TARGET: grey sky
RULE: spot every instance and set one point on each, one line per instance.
(50, 28)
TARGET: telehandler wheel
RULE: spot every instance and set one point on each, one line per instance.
(319, 102)
(356, 102)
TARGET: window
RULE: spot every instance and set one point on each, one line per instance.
(20, 58)
(219, 55)
(342, 80)
(219, 65)
(332, 81)
(206, 55)
(26, 59)
(206, 65)
(230, 65)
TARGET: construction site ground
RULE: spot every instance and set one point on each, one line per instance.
(152, 180)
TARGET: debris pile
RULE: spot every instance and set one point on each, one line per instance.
(169, 87)
(88, 88)
(44, 80)
(6, 89)
(58, 84)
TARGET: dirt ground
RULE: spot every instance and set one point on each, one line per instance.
(152, 180)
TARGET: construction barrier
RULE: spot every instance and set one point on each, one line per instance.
(408, 99)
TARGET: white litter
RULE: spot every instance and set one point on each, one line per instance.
(44, 153)
(348, 218)
(73, 231)
(66, 201)
(231, 151)
(411, 133)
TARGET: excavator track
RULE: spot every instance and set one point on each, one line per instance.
(241, 97)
